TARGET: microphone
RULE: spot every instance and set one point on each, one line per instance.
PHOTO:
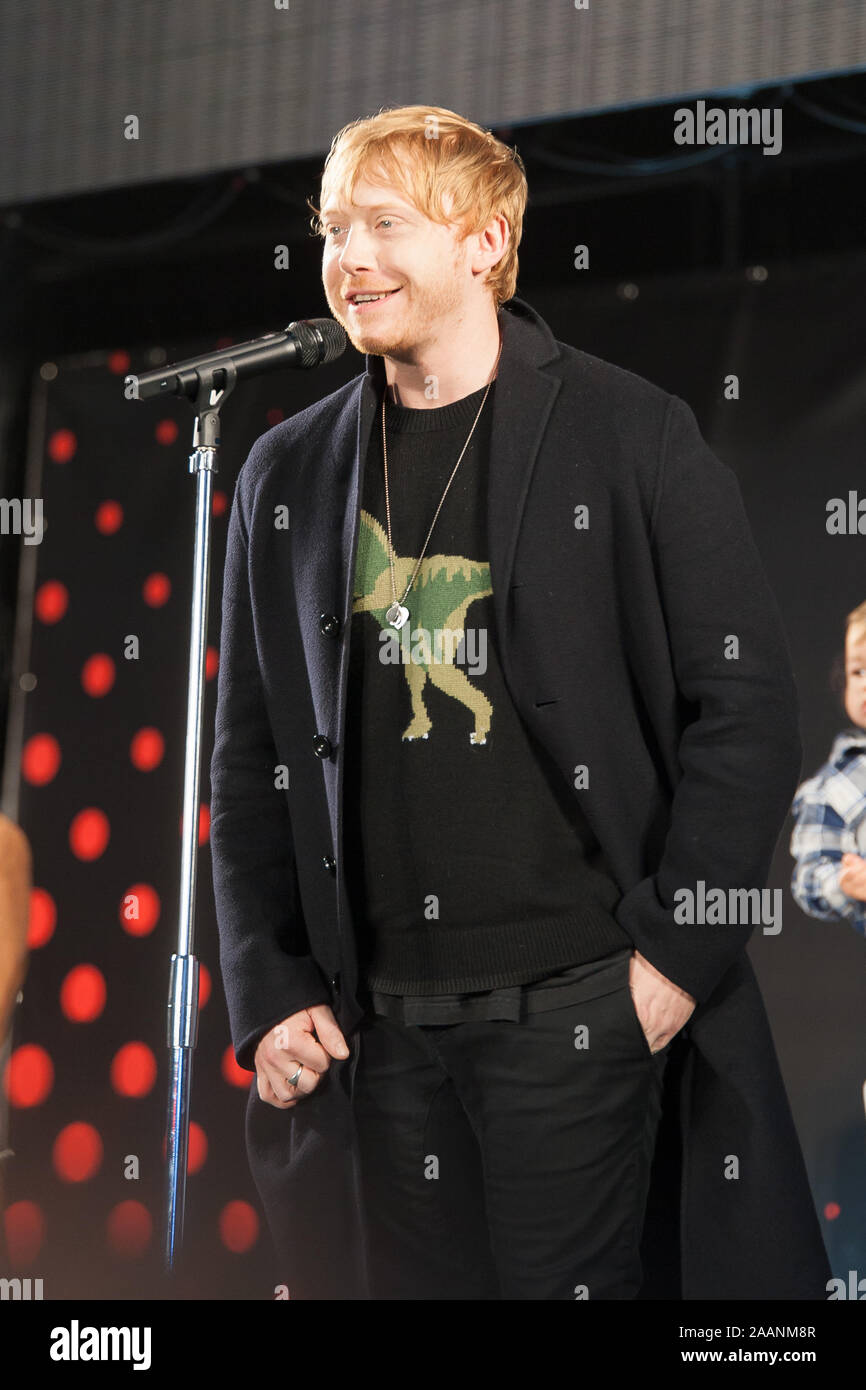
(305, 343)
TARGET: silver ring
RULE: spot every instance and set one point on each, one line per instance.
(293, 1080)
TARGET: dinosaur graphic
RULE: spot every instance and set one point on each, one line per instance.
(443, 590)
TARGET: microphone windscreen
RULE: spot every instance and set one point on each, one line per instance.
(320, 340)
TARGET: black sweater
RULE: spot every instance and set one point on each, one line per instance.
(469, 865)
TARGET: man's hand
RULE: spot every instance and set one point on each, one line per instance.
(661, 1006)
(852, 879)
(313, 1037)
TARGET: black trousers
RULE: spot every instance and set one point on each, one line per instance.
(509, 1160)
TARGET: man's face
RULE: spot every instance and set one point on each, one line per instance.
(855, 678)
(383, 242)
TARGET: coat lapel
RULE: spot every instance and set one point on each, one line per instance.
(522, 403)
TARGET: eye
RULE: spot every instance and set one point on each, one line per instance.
(332, 228)
(389, 220)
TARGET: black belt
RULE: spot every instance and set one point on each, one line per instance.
(511, 1002)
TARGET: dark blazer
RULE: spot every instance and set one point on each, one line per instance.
(612, 639)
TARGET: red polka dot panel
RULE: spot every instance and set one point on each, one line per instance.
(100, 763)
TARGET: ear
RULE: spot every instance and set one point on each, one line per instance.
(491, 244)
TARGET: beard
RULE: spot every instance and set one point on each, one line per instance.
(414, 322)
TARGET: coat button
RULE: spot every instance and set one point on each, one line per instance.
(329, 624)
(322, 746)
(329, 863)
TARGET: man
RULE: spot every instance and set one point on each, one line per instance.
(478, 726)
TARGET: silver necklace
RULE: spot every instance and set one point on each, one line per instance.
(398, 613)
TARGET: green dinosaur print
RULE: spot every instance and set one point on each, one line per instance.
(443, 590)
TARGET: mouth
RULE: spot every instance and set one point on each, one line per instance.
(361, 301)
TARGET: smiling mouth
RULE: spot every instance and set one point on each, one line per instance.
(361, 299)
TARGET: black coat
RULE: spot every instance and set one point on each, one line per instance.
(612, 639)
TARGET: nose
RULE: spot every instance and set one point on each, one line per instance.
(356, 254)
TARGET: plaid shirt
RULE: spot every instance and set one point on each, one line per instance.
(830, 811)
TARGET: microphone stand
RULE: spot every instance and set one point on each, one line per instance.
(182, 1015)
(206, 382)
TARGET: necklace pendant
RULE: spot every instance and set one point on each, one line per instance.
(397, 615)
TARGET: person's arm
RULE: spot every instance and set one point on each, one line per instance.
(15, 882)
(817, 844)
(268, 972)
(740, 754)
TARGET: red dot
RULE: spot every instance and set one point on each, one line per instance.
(24, 1225)
(224, 341)
(129, 1229)
(166, 432)
(89, 833)
(62, 446)
(139, 911)
(832, 1211)
(108, 518)
(232, 1073)
(156, 590)
(219, 503)
(133, 1069)
(40, 759)
(77, 1152)
(211, 663)
(52, 601)
(82, 994)
(203, 825)
(189, 1156)
(98, 674)
(205, 984)
(43, 918)
(197, 1153)
(29, 1076)
(239, 1226)
(274, 416)
(146, 749)
(118, 362)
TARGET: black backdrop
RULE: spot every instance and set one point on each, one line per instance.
(795, 438)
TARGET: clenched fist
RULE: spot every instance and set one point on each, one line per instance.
(313, 1037)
